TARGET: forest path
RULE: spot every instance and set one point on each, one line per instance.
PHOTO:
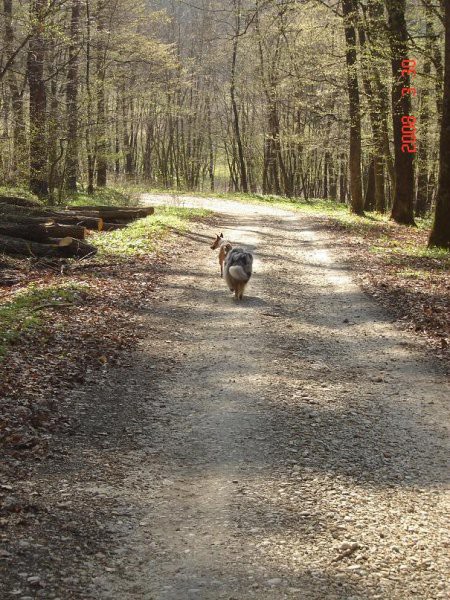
(281, 433)
(292, 445)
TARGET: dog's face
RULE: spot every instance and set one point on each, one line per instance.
(216, 243)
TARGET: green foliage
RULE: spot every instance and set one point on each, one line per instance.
(23, 312)
(110, 196)
(143, 236)
(19, 192)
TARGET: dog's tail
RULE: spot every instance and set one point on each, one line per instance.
(238, 273)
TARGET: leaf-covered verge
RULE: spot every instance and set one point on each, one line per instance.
(392, 263)
(63, 320)
(24, 311)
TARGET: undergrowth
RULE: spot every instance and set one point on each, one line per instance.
(143, 236)
(23, 312)
(108, 196)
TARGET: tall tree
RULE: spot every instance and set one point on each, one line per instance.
(38, 100)
(19, 134)
(102, 165)
(422, 167)
(375, 197)
(72, 98)
(440, 233)
(350, 12)
(403, 205)
(237, 5)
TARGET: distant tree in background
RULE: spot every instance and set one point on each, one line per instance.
(285, 97)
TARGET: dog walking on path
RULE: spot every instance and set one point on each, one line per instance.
(224, 247)
(236, 263)
(238, 270)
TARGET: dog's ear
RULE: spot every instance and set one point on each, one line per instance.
(221, 235)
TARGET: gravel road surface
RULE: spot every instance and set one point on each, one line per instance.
(292, 445)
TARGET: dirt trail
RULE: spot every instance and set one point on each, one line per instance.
(290, 446)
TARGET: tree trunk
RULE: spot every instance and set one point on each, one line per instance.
(19, 135)
(72, 99)
(440, 234)
(38, 101)
(89, 107)
(376, 113)
(236, 126)
(403, 207)
(350, 8)
(54, 151)
(342, 180)
(422, 176)
(379, 98)
(101, 106)
(380, 196)
(369, 200)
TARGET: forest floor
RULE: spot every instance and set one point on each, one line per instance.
(293, 445)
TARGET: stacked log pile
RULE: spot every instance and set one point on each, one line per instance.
(29, 229)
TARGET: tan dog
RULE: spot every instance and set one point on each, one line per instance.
(224, 247)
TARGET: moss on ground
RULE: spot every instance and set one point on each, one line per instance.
(23, 311)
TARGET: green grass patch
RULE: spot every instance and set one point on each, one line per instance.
(408, 247)
(18, 192)
(439, 254)
(110, 196)
(418, 274)
(144, 235)
(23, 312)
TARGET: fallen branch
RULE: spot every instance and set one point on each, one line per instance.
(52, 305)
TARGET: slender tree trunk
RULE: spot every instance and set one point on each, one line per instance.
(210, 145)
(332, 181)
(19, 135)
(440, 234)
(101, 116)
(342, 180)
(350, 8)
(325, 175)
(117, 142)
(148, 151)
(54, 154)
(403, 207)
(89, 144)
(376, 170)
(380, 195)
(422, 176)
(38, 101)
(237, 132)
(72, 99)
(377, 35)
